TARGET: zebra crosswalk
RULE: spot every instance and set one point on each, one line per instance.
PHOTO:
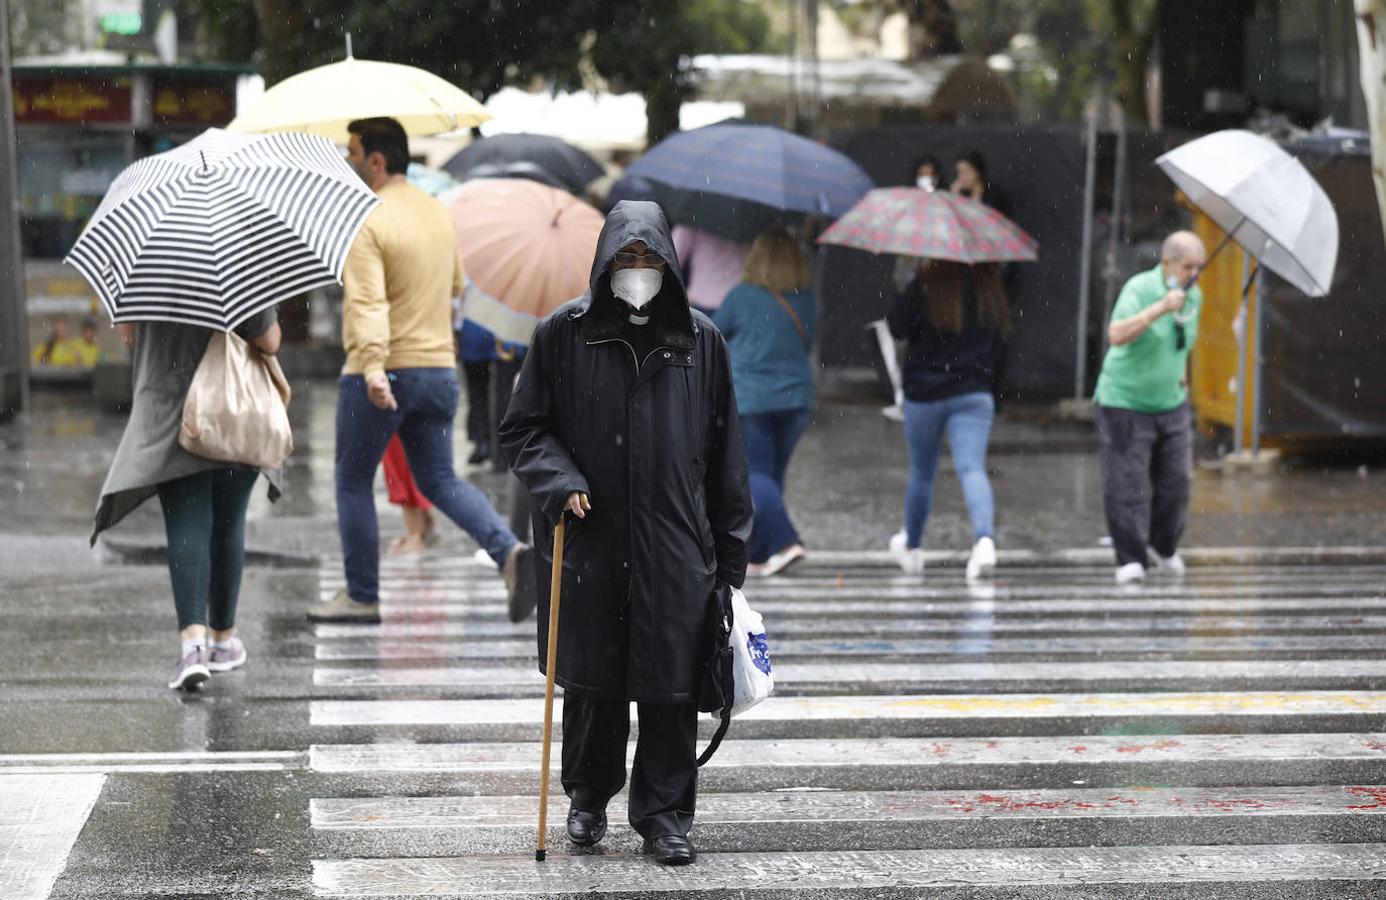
(1219, 736)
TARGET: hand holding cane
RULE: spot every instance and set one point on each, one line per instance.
(555, 592)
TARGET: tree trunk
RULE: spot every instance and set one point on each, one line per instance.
(662, 103)
(933, 28)
(1133, 48)
(283, 25)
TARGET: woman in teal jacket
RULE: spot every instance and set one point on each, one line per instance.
(769, 321)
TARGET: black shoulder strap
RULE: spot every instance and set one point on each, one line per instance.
(717, 736)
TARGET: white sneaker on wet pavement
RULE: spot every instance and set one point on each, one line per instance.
(1130, 573)
(910, 559)
(982, 562)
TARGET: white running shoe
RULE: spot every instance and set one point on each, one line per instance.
(1130, 573)
(778, 562)
(910, 559)
(1166, 565)
(982, 562)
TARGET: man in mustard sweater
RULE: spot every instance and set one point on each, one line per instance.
(400, 376)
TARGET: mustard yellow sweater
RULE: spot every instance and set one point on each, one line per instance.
(401, 275)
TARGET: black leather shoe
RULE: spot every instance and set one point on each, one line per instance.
(586, 828)
(671, 850)
(480, 453)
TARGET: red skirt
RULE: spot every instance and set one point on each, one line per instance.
(399, 481)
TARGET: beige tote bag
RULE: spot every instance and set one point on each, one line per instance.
(238, 406)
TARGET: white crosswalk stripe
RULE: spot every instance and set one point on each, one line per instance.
(1227, 731)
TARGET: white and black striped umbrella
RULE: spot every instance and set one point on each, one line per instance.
(214, 231)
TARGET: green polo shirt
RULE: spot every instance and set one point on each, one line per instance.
(1146, 375)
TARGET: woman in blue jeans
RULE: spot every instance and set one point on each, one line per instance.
(768, 321)
(954, 319)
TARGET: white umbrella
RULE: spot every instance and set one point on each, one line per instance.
(214, 231)
(1265, 200)
(1268, 203)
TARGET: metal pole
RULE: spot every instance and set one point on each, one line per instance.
(1112, 266)
(1080, 367)
(1239, 428)
(14, 338)
(1259, 360)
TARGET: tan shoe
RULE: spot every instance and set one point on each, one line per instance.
(342, 608)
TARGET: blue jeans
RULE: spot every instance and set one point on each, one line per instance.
(770, 440)
(427, 400)
(967, 419)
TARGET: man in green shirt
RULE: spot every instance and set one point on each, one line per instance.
(1143, 415)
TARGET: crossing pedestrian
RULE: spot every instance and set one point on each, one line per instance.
(626, 398)
(203, 501)
(420, 530)
(400, 376)
(712, 265)
(768, 321)
(954, 319)
(1142, 409)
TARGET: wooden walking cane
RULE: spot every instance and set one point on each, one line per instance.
(555, 592)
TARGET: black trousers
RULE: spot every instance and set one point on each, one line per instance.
(664, 779)
(478, 378)
(1147, 464)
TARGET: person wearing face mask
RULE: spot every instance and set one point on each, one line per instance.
(400, 376)
(624, 418)
(1143, 416)
(928, 172)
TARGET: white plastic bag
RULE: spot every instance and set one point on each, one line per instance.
(750, 655)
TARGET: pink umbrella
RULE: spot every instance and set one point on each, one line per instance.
(527, 249)
(909, 221)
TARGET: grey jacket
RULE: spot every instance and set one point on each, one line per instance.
(164, 359)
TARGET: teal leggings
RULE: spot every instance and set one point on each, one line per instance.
(204, 515)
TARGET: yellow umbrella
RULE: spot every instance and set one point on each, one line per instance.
(322, 101)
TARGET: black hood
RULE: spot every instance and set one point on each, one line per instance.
(629, 221)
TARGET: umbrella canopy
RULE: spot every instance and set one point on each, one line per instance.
(214, 231)
(1265, 200)
(322, 101)
(527, 249)
(572, 167)
(527, 170)
(931, 224)
(767, 170)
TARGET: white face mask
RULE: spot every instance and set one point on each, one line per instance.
(924, 182)
(636, 286)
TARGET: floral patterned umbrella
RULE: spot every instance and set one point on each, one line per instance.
(908, 221)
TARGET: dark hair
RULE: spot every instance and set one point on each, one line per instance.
(385, 136)
(974, 159)
(927, 159)
(944, 286)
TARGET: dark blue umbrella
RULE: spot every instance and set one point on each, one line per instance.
(760, 164)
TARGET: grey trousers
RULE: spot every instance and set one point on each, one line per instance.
(1147, 463)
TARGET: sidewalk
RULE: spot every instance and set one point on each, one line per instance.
(845, 490)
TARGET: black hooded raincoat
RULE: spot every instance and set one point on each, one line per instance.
(656, 445)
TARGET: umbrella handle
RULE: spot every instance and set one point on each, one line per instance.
(555, 591)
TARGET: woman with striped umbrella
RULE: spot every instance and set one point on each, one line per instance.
(207, 237)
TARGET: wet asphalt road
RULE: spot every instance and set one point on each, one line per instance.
(1047, 736)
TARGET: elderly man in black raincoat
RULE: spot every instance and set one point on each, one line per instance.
(625, 401)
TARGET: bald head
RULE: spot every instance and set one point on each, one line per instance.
(1182, 245)
(1183, 256)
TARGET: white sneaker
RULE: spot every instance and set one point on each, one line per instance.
(910, 559)
(787, 557)
(1130, 573)
(982, 562)
(1171, 565)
